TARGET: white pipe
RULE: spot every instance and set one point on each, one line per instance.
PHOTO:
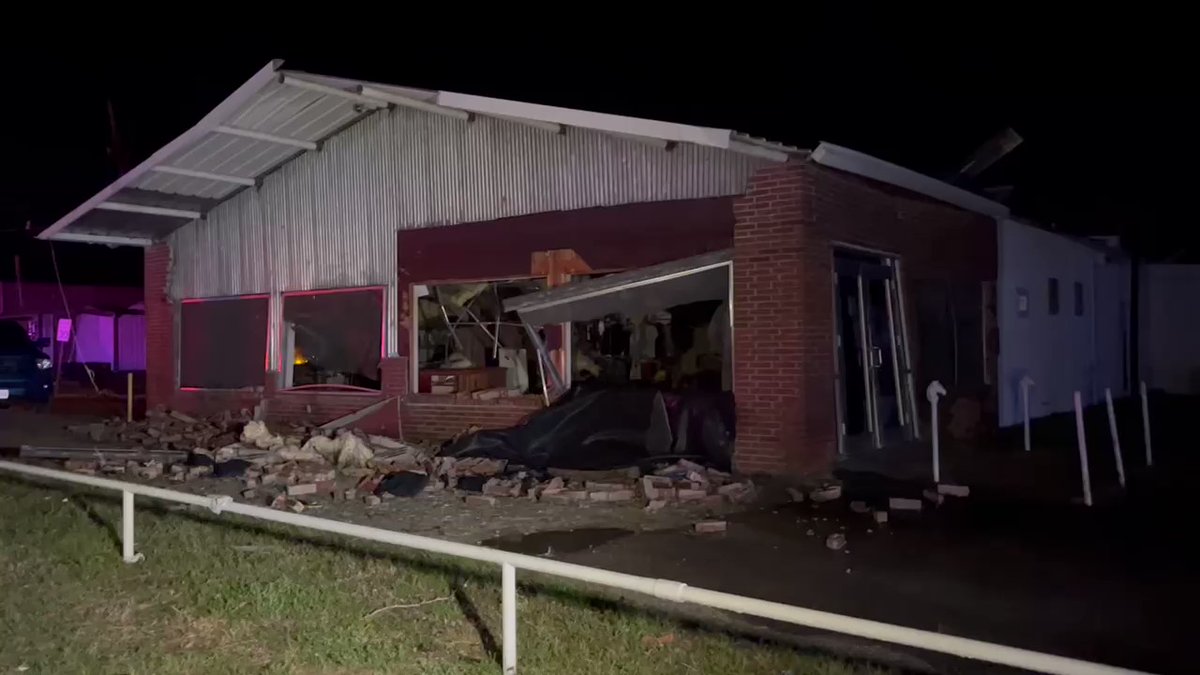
(934, 391)
(1085, 476)
(1116, 440)
(126, 207)
(1146, 423)
(659, 588)
(301, 83)
(205, 175)
(127, 529)
(416, 104)
(1026, 383)
(264, 136)
(508, 609)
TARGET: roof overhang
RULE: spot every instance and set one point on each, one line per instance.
(635, 292)
(279, 114)
(852, 161)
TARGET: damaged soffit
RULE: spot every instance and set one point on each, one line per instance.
(279, 114)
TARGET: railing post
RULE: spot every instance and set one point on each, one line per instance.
(1146, 423)
(1116, 438)
(933, 392)
(127, 529)
(1081, 436)
(508, 612)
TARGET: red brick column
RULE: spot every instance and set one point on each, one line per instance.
(160, 327)
(782, 304)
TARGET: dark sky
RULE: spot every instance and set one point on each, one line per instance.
(1106, 108)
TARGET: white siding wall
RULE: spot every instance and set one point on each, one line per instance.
(1063, 353)
(1169, 314)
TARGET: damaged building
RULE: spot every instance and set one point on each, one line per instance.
(316, 246)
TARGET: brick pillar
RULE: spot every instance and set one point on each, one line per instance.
(160, 327)
(783, 318)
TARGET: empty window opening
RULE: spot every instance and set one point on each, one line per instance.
(468, 346)
(1078, 299)
(1052, 296)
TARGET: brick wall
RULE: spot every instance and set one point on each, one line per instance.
(433, 417)
(160, 327)
(786, 227)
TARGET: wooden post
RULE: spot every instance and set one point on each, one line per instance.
(128, 397)
(1116, 440)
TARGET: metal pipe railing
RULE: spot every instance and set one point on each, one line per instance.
(509, 562)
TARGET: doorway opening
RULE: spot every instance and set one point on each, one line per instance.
(875, 401)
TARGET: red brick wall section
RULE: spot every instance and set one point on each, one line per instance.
(769, 320)
(786, 227)
(160, 327)
(430, 417)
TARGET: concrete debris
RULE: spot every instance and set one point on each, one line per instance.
(933, 497)
(655, 505)
(881, 517)
(690, 495)
(826, 493)
(796, 495)
(611, 495)
(954, 490)
(835, 541)
(904, 504)
(372, 500)
(737, 493)
(859, 507)
(710, 527)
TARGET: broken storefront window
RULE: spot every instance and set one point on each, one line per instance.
(467, 345)
(333, 337)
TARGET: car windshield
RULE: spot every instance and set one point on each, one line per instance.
(12, 335)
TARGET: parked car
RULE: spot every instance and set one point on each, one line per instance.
(25, 370)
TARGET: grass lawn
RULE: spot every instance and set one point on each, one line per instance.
(218, 595)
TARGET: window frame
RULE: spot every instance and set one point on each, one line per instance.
(179, 386)
(345, 388)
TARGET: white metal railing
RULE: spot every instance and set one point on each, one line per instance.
(509, 562)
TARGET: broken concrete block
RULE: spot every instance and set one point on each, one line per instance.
(557, 484)
(302, 489)
(713, 501)
(796, 495)
(372, 500)
(593, 486)
(350, 494)
(568, 496)
(655, 505)
(859, 507)
(933, 497)
(611, 495)
(690, 495)
(954, 490)
(904, 504)
(81, 465)
(198, 471)
(710, 526)
(279, 502)
(249, 494)
(297, 506)
(881, 517)
(826, 493)
(479, 500)
(835, 541)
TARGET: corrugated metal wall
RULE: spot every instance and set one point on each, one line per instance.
(328, 218)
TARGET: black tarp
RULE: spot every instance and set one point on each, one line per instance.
(609, 427)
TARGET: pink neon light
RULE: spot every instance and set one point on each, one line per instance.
(191, 389)
(329, 291)
(192, 301)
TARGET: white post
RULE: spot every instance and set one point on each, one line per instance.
(1026, 383)
(1146, 424)
(1116, 440)
(127, 529)
(933, 392)
(1083, 454)
(508, 611)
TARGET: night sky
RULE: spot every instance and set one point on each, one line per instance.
(1107, 113)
